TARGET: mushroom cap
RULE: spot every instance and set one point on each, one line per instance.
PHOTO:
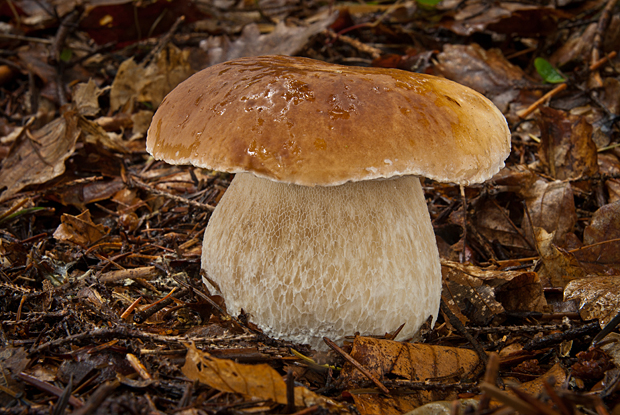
(308, 122)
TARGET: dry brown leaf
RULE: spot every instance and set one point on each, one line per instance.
(151, 83)
(86, 98)
(551, 206)
(535, 387)
(578, 45)
(599, 297)
(559, 266)
(485, 293)
(258, 381)
(503, 17)
(406, 361)
(81, 194)
(491, 220)
(566, 150)
(609, 164)
(283, 40)
(486, 71)
(80, 230)
(39, 156)
(604, 226)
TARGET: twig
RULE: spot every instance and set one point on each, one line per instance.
(49, 388)
(606, 330)
(125, 332)
(560, 337)
(512, 401)
(143, 315)
(595, 53)
(66, 26)
(25, 38)
(456, 323)
(97, 398)
(135, 182)
(542, 100)
(490, 377)
(164, 40)
(357, 365)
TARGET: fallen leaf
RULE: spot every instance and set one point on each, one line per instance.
(138, 83)
(258, 381)
(504, 17)
(559, 266)
(492, 221)
(609, 164)
(576, 47)
(40, 156)
(556, 375)
(551, 206)
(80, 230)
(566, 147)
(86, 98)
(81, 194)
(486, 71)
(283, 40)
(405, 361)
(604, 226)
(599, 297)
(481, 294)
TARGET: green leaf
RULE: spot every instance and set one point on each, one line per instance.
(65, 55)
(548, 72)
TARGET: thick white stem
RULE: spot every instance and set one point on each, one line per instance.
(307, 262)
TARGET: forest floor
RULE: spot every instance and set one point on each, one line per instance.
(102, 307)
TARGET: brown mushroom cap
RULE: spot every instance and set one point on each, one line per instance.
(307, 122)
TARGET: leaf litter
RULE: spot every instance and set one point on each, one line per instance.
(102, 309)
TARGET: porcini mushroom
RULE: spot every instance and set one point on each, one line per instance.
(324, 231)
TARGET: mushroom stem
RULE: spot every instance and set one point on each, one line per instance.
(325, 261)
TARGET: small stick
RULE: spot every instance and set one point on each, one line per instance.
(137, 365)
(542, 100)
(357, 365)
(490, 376)
(510, 400)
(132, 307)
(49, 388)
(134, 182)
(456, 323)
(290, 392)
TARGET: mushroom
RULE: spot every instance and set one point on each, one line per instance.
(324, 231)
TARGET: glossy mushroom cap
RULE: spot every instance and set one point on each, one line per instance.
(307, 122)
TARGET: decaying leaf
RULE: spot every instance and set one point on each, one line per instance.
(404, 361)
(566, 149)
(604, 227)
(258, 381)
(85, 98)
(551, 206)
(151, 83)
(559, 266)
(493, 221)
(599, 297)
(284, 40)
(481, 294)
(39, 156)
(578, 45)
(503, 17)
(486, 71)
(80, 230)
(556, 375)
(81, 194)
